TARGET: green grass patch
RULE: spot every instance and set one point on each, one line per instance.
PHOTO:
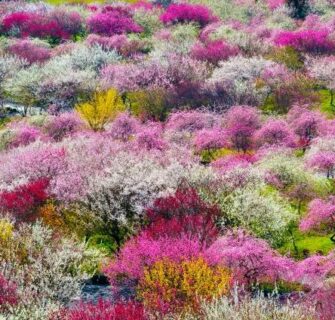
(310, 243)
(325, 106)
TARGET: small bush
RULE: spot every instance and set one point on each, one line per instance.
(22, 201)
(184, 12)
(103, 108)
(179, 287)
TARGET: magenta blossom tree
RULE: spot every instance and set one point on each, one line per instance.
(309, 41)
(251, 260)
(275, 132)
(111, 23)
(213, 51)
(209, 139)
(306, 124)
(184, 12)
(241, 122)
(324, 161)
(320, 216)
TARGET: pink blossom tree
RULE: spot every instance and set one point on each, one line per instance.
(324, 161)
(275, 132)
(320, 216)
(184, 12)
(241, 122)
(143, 251)
(209, 139)
(213, 51)
(323, 70)
(111, 23)
(123, 128)
(306, 124)
(251, 260)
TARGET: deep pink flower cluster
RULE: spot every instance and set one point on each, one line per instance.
(310, 41)
(143, 251)
(27, 24)
(213, 51)
(112, 22)
(184, 12)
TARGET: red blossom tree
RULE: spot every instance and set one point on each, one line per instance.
(23, 200)
(183, 213)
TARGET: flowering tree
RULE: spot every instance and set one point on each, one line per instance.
(191, 121)
(240, 124)
(250, 259)
(321, 215)
(63, 125)
(111, 23)
(306, 124)
(142, 252)
(23, 201)
(103, 108)
(323, 161)
(323, 69)
(234, 82)
(275, 132)
(213, 51)
(123, 127)
(310, 41)
(30, 51)
(209, 139)
(183, 213)
(183, 12)
(169, 287)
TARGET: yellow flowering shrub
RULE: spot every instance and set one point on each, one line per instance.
(6, 230)
(170, 287)
(102, 108)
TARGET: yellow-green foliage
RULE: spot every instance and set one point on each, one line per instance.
(182, 286)
(6, 230)
(102, 108)
(287, 56)
(325, 105)
(148, 104)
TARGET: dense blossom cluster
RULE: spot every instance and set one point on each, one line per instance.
(183, 150)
